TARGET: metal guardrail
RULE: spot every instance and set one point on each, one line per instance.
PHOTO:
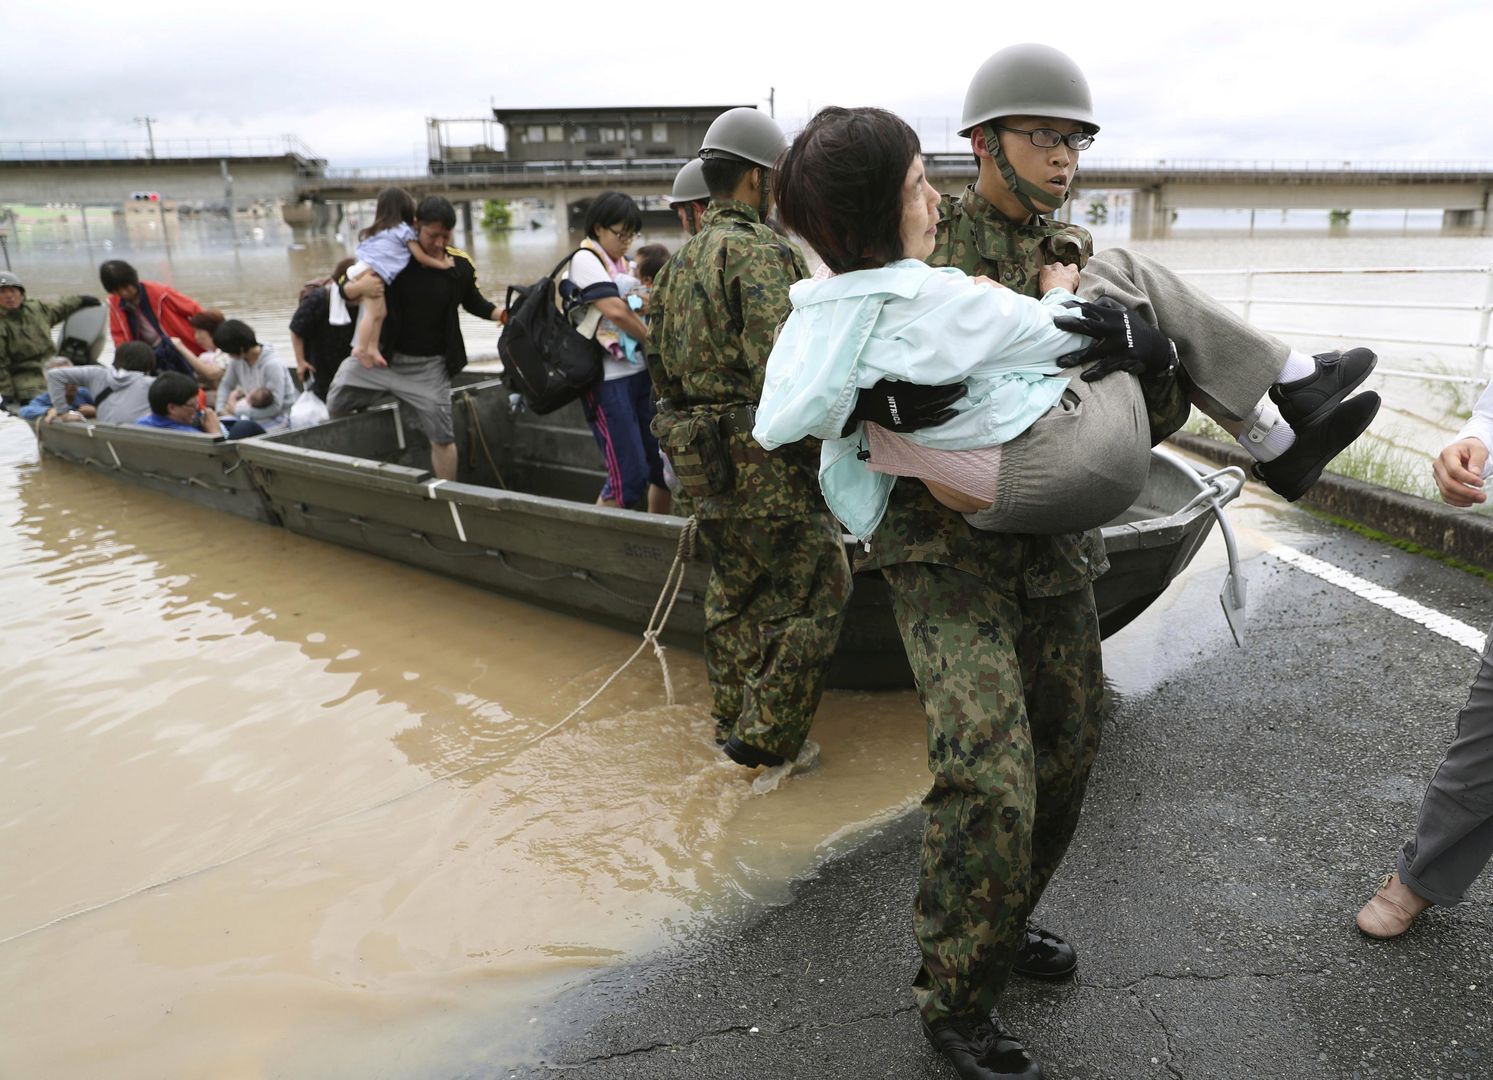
(141, 149)
(1482, 367)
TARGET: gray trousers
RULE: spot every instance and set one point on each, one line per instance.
(1454, 837)
(1087, 459)
(1229, 362)
(1078, 467)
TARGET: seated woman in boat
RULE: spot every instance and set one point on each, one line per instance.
(1028, 449)
(251, 366)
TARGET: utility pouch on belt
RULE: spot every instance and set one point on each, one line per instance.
(700, 457)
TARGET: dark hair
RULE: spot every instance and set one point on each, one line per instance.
(395, 206)
(612, 208)
(135, 356)
(235, 338)
(839, 186)
(436, 210)
(651, 259)
(116, 274)
(171, 388)
(723, 175)
(208, 319)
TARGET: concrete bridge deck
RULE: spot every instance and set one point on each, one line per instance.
(293, 174)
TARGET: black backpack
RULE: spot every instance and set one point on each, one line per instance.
(545, 358)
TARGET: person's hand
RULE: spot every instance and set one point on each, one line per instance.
(304, 372)
(210, 422)
(87, 412)
(447, 262)
(1123, 341)
(1459, 472)
(49, 416)
(1058, 276)
(981, 279)
(90, 301)
(904, 406)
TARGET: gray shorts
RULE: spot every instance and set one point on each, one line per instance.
(418, 382)
(1082, 464)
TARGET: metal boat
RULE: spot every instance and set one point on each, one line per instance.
(522, 520)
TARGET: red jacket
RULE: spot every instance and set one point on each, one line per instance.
(171, 308)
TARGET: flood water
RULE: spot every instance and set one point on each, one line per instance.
(273, 808)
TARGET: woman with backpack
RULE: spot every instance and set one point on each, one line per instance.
(620, 407)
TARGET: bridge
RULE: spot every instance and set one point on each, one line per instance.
(1463, 191)
(208, 173)
(224, 172)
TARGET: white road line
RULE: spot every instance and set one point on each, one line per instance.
(1432, 620)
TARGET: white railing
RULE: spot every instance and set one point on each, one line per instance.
(1479, 345)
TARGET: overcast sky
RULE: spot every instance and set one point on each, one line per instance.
(1253, 79)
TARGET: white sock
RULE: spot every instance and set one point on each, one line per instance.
(1298, 366)
(1266, 434)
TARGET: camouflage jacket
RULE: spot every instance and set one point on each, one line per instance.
(713, 314)
(26, 345)
(977, 238)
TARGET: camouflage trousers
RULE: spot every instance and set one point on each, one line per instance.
(1012, 688)
(773, 608)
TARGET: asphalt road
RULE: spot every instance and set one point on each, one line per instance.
(1244, 804)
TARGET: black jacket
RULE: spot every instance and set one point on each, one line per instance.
(463, 292)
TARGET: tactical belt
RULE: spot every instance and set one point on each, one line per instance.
(739, 420)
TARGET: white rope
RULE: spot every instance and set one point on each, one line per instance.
(673, 581)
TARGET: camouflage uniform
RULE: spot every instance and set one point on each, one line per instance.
(779, 577)
(26, 345)
(1003, 639)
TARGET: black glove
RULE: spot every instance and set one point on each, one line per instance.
(1123, 341)
(89, 301)
(904, 406)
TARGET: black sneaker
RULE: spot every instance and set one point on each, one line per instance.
(1045, 955)
(982, 1050)
(1316, 444)
(1338, 374)
(750, 756)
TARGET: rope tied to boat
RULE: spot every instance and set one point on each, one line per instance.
(683, 554)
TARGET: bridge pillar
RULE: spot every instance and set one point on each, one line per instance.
(466, 221)
(1149, 217)
(1463, 221)
(560, 200)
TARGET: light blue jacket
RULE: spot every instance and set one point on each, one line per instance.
(919, 324)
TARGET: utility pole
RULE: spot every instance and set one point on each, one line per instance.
(149, 133)
(772, 102)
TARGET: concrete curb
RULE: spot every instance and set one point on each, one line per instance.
(1457, 533)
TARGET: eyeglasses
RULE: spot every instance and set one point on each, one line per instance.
(1047, 138)
(621, 234)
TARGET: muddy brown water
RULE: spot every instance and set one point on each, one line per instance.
(271, 807)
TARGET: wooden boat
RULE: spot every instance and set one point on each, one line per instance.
(521, 518)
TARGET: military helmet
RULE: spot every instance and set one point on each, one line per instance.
(689, 184)
(1028, 80)
(745, 134)
(10, 281)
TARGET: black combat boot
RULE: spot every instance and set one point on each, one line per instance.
(982, 1050)
(1317, 443)
(1338, 374)
(1045, 955)
(750, 756)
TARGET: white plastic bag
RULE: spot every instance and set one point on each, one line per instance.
(308, 410)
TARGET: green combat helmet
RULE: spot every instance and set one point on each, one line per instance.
(745, 134)
(1026, 80)
(10, 281)
(689, 184)
(689, 187)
